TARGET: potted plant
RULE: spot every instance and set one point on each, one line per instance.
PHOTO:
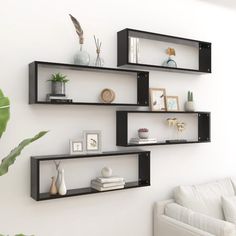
(189, 105)
(58, 84)
(143, 133)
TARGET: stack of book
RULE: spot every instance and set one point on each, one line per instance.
(142, 140)
(109, 183)
(58, 98)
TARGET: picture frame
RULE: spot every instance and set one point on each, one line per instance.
(77, 147)
(93, 141)
(172, 103)
(157, 99)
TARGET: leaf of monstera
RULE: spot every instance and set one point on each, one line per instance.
(4, 112)
(10, 159)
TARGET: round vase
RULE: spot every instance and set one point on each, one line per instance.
(106, 172)
(189, 106)
(143, 135)
(82, 57)
(58, 88)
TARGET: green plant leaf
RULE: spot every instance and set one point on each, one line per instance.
(4, 112)
(10, 159)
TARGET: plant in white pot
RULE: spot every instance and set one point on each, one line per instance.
(58, 84)
(11, 157)
(189, 105)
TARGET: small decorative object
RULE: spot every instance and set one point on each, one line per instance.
(58, 84)
(158, 99)
(170, 62)
(108, 95)
(180, 126)
(98, 61)
(93, 141)
(106, 172)
(171, 122)
(76, 147)
(143, 133)
(62, 189)
(189, 105)
(53, 188)
(58, 180)
(82, 57)
(172, 103)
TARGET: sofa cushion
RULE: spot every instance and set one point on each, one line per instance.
(205, 198)
(229, 208)
(206, 223)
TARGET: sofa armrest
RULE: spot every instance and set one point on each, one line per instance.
(171, 227)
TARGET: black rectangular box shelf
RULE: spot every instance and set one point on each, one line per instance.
(143, 173)
(142, 83)
(204, 124)
(123, 50)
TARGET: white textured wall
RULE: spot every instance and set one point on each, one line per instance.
(42, 30)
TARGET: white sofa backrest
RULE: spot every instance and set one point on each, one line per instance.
(205, 198)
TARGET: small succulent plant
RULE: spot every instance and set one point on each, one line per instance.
(58, 77)
(143, 130)
(190, 96)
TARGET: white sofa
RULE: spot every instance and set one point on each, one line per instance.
(197, 210)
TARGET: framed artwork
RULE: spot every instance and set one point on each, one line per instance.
(158, 99)
(172, 103)
(76, 147)
(93, 141)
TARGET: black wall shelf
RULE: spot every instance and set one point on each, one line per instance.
(142, 83)
(204, 49)
(204, 119)
(143, 173)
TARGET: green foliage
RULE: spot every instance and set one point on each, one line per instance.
(58, 78)
(190, 96)
(4, 112)
(11, 157)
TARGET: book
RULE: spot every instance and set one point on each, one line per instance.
(142, 141)
(105, 185)
(106, 189)
(61, 100)
(110, 179)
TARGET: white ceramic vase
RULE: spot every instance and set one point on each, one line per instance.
(62, 189)
(106, 172)
(189, 106)
(58, 180)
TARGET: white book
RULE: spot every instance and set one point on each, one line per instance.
(143, 139)
(105, 185)
(134, 50)
(106, 189)
(137, 51)
(110, 179)
(131, 49)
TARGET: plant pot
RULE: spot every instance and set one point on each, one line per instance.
(143, 135)
(58, 88)
(189, 106)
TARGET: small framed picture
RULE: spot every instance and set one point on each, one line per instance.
(158, 99)
(76, 147)
(172, 103)
(93, 142)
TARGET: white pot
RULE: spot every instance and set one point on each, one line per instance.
(106, 172)
(189, 106)
(142, 134)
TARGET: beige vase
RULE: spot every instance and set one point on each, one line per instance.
(53, 188)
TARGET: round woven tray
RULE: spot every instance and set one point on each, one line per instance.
(107, 95)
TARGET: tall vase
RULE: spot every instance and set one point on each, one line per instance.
(53, 188)
(58, 181)
(82, 57)
(62, 188)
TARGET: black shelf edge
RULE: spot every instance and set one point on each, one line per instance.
(74, 66)
(86, 191)
(88, 155)
(90, 104)
(166, 112)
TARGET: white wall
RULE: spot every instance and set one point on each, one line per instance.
(42, 30)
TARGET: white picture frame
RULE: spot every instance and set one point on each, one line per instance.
(93, 141)
(157, 99)
(77, 147)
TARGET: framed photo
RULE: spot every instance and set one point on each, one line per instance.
(93, 142)
(172, 103)
(158, 99)
(76, 147)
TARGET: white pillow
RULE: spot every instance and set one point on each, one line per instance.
(205, 198)
(229, 208)
(209, 224)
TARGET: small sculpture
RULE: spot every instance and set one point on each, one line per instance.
(53, 188)
(106, 172)
(99, 61)
(180, 126)
(170, 62)
(58, 180)
(171, 122)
